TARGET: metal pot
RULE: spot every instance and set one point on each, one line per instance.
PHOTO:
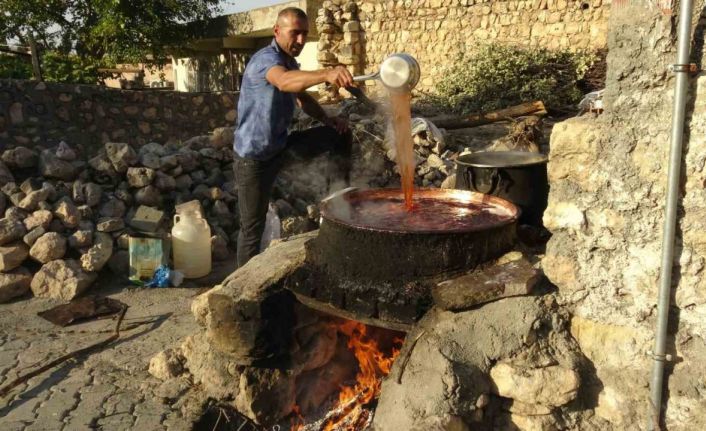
(397, 72)
(517, 176)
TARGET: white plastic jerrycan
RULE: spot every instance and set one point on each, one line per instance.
(191, 244)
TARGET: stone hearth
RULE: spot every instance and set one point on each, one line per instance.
(483, 361)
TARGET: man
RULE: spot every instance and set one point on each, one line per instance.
(272, 83)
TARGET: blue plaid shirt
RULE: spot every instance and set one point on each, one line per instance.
(264, 112)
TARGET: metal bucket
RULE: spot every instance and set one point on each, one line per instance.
(517, 176)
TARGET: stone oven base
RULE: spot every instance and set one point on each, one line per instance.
(473, 361)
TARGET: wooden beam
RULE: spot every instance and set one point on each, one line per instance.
(474, 120)
(36, 68)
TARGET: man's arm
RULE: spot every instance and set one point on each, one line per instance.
(296, 81)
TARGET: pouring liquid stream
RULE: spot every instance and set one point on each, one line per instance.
(402, 125)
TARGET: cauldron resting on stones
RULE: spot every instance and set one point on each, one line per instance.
(378, 260)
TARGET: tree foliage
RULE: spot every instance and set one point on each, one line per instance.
(97, 32)
(497, 76)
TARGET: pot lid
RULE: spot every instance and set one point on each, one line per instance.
(501, 159)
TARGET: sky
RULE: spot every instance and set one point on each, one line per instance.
(231, 6)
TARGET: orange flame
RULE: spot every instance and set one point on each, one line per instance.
(373, 365)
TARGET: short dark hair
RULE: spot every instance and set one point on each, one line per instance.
(292, 11)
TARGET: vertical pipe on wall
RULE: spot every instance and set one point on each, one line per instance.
(674, 171)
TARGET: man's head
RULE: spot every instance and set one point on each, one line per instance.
(291, 30)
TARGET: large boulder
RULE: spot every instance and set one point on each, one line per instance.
(14, 284)
(61, 279)
(48, 247)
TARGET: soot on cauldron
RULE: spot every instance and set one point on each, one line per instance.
(378, 260)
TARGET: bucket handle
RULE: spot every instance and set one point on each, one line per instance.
(494, 182)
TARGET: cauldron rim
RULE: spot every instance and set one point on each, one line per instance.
(514, 211)
(501, 159)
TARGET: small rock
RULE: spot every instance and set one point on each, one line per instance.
(151, 160)
(140, 177)
(114, 208)
(110, 224)
(16, 198)
(164, 182)
(20, 157)
(167, 364)
(5, 174)
(152, 147)
(296, 225)
(14, 284)
(123, 241)
(81, 239)
(11, 230)
(183, 182)
(31, 185)
(551, 386)
(12, 256)
(93, 193)
(15, 214)
(119, 263)
(64, 152)
(121, 155)
(48, 247)
(61, 279)
(149, 196)
(51, 166)
(38, 218)
(284, 209)
(169, 162)
(219, 248)
(449, 182)
(86, 212)
(97, 256)
(66, 211)
(215, 193)
(33, 235)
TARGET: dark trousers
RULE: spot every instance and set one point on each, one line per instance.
(256, 178)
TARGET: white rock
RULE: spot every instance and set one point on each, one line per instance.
(551, 386)
(97, 256)
(48, 247)
(167, 364)
(12, 256)
(61, 279)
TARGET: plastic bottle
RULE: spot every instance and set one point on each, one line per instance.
(191, 244)
(273, 228)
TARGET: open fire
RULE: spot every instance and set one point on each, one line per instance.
(353, 410)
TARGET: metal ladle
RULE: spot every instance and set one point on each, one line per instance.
(399, 72)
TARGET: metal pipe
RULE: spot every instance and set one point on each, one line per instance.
(675, 155)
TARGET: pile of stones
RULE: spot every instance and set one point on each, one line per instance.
(68, 215)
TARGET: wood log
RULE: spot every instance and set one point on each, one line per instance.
(474, 120)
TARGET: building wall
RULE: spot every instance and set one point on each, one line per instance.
(608, 182)
(436, 31)
(46, 113)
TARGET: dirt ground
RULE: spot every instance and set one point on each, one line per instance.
(108, 389)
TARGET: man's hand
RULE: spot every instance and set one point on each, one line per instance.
(339, 76)
(339, 124)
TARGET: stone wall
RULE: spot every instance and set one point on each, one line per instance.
(46, 113)
(608, 179)
(362, 33)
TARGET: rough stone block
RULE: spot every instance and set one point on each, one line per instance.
(498, 281)
(14, 284)
(61, 279)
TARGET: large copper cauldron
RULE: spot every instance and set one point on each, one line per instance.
(370, 235)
